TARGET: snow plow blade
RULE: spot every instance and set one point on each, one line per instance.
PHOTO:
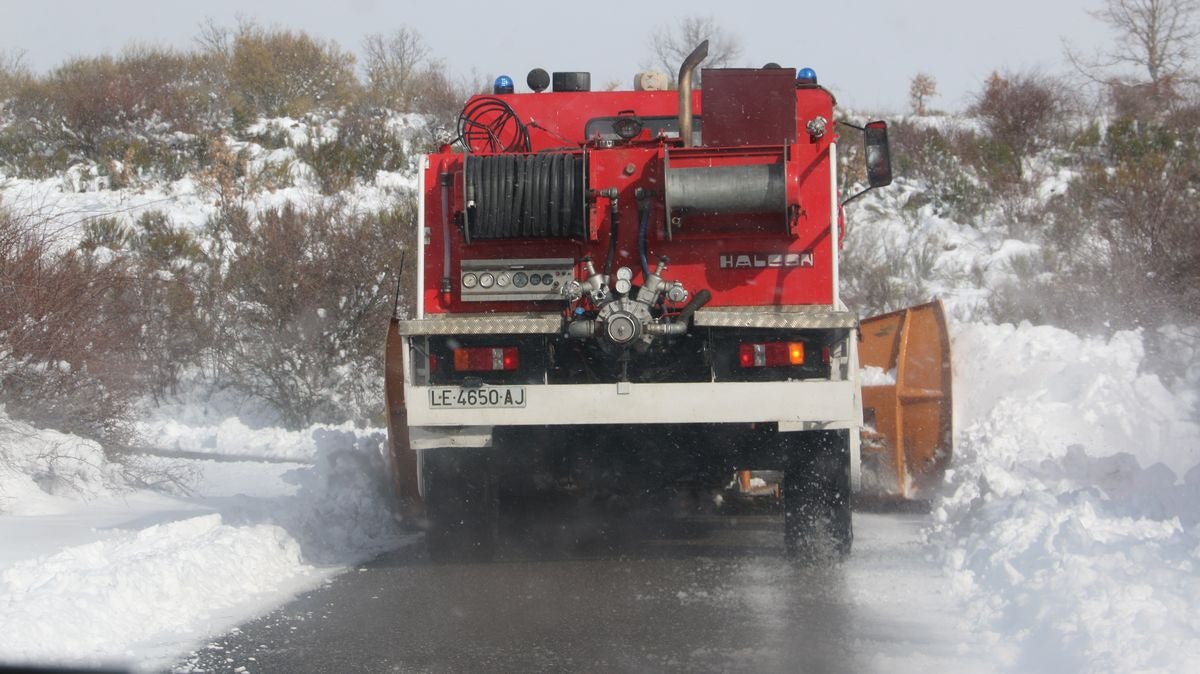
(403, 459)
(907, 402)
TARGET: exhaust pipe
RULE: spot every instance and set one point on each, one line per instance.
(685, 91)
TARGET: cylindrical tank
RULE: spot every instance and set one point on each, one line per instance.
(754, 188)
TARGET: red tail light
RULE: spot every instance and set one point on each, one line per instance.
(771, 354)
(486, 358)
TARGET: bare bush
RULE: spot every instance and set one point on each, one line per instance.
(364, 145)
(1144, 210)
(310, 293)
(280, 72)
(65, 336)
(116, 111)
(14, 74)
(944, 160)
(1019, 111)
(396, 65)
(170, 269)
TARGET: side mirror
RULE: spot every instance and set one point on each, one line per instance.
(879, 157)
(877, 154)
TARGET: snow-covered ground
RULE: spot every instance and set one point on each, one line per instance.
(1070, 521)
(93, 571)
(1068, 528)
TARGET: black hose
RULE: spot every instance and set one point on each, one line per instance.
(613, 228)
(699, 300)
(519, 195)
(482, 124)
(643, 231)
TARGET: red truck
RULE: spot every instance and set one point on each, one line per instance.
(620, 290)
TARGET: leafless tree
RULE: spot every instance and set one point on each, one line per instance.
(922, 88)
(13, 71)
(394, 63)
(671, 43)
(214, 39)
(1154, 35)
(1154, 38)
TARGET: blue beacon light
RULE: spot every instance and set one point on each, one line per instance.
(503, 85)
(806, 76)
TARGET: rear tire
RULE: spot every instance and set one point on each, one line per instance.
(461, 504)
(817, 521)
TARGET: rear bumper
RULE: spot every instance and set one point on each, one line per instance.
(793, 404)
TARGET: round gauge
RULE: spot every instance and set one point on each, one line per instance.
(503, 280)
(470, 280)
(535, 280)
(520, 279)
(623, 285)
(486, 280)
(547, 279)
(624, 274)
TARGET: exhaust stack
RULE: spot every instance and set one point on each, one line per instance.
(685, 91)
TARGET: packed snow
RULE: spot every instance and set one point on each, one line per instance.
(1069, 522)
(98, 572)
(1068, 525)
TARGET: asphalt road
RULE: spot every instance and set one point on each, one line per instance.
(711, 593)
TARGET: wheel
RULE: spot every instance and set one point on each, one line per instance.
(461, 504)
(816, 496)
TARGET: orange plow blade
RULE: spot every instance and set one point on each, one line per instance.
(907, 401)
(404, 459)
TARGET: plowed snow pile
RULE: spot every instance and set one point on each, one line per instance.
(1070, 518)
(93, 571)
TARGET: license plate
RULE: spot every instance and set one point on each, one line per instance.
(492, 396)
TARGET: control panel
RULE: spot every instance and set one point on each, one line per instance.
(529, 280)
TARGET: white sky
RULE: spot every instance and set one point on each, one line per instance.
(866, 51)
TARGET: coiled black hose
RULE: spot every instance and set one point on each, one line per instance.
(516, 195)
(484, 125)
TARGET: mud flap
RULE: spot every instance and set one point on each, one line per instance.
(403, 458)
(907, 438)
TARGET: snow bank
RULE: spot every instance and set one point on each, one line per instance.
(233, 437)
(1070, 519)
(44, 471)
(135, 583)
(115, 598)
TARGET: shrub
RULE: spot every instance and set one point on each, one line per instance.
(282, 73)
(309, 296)
(14, 75)
(365, 143)
(1019, 109)
(104, 232)
(66, 336)
(1124, 232)
(171, 270)
(119, 112)
(937, 157)
(396, 65)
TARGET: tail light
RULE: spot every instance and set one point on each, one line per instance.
(771, 354)
(486, 359)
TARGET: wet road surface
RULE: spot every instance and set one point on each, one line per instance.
(711, 593)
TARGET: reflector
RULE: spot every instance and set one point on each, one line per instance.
(486, 358)
(771, 354)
